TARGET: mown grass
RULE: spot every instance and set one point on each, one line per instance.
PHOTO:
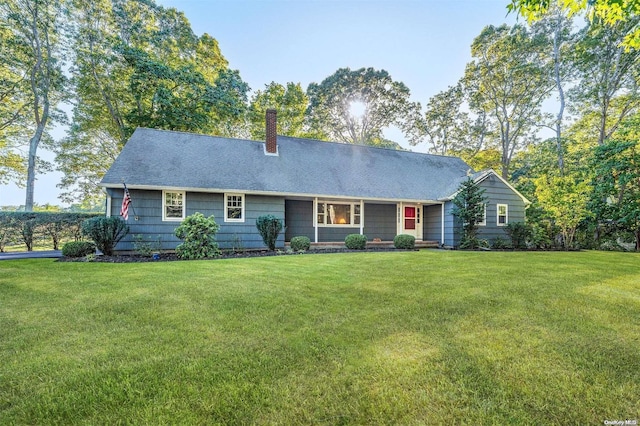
(425, 337)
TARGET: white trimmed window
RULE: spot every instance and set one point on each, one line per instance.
(503, 214)
(483, 222)
(338, 214)
(173, 205)
(234, 207)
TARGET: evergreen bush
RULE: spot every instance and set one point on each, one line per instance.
(519, 234)
(300, 243)
(469, 207)
(404, 241)
(78, 248)
(269, 228)
(105, 232)
(356, 241)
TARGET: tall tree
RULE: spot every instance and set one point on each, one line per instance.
(138, 64)
(616, 164)
(36, 26)
(508, 80)
(555, 27)
(609, 76)
(449, 127)
(14, 104)
(382, 103)
(291, 102)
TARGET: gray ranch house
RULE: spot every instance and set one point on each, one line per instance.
(322, 190)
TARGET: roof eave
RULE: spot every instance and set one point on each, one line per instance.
(269, 193)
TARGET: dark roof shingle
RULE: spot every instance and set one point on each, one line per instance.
(166, 159)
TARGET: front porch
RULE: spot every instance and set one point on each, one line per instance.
(330, 221)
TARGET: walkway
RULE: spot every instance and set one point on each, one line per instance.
(43, 254)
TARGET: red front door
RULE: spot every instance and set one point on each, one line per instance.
(409, 218)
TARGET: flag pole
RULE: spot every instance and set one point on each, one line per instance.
(126, 191)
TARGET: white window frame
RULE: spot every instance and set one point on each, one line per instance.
(353, 205)
(243, 202)
(164, 206)
(484, 217)
(506, 214)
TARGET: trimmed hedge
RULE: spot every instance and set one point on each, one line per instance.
(404, 241)
(356, 241)
(300, 243)
(29, 227)
(78, 249)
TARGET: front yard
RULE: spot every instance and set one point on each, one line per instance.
(427, 337)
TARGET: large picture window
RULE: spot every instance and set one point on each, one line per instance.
(173, 205)
(339, 214)
(234, 208)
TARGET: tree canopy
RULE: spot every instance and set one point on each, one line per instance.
(609, 12)
(381, 101)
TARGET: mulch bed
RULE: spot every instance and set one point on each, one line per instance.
(170, 257)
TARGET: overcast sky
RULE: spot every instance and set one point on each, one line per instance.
(423, 43)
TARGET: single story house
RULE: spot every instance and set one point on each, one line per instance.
(322, 190)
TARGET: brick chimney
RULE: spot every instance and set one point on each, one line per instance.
(271, 145)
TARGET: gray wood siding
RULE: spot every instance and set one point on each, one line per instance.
(246, 233)
(299, 219)
(496, 193)
(380, 221)
(431, 226)
(148, 207)
(335, 235)
(451, 231)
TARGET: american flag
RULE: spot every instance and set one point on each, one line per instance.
(124, 210)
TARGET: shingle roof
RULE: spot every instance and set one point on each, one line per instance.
(157, 159)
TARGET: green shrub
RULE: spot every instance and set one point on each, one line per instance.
(539, 238)
(500, 243)
(78, 248)
(198, 233)
(519, 234)
(469, 242)
(144, 247)
(269, 228)
(404, 241)
(300, 243)
(105, 232)
(356, 241)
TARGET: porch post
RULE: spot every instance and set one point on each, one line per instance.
(108, 205)
(361, 217)
(315, 219)
(442, 223)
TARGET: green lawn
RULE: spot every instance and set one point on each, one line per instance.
(429, 337)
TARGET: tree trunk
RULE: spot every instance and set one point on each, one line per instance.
(31, 166)
(556, 64)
